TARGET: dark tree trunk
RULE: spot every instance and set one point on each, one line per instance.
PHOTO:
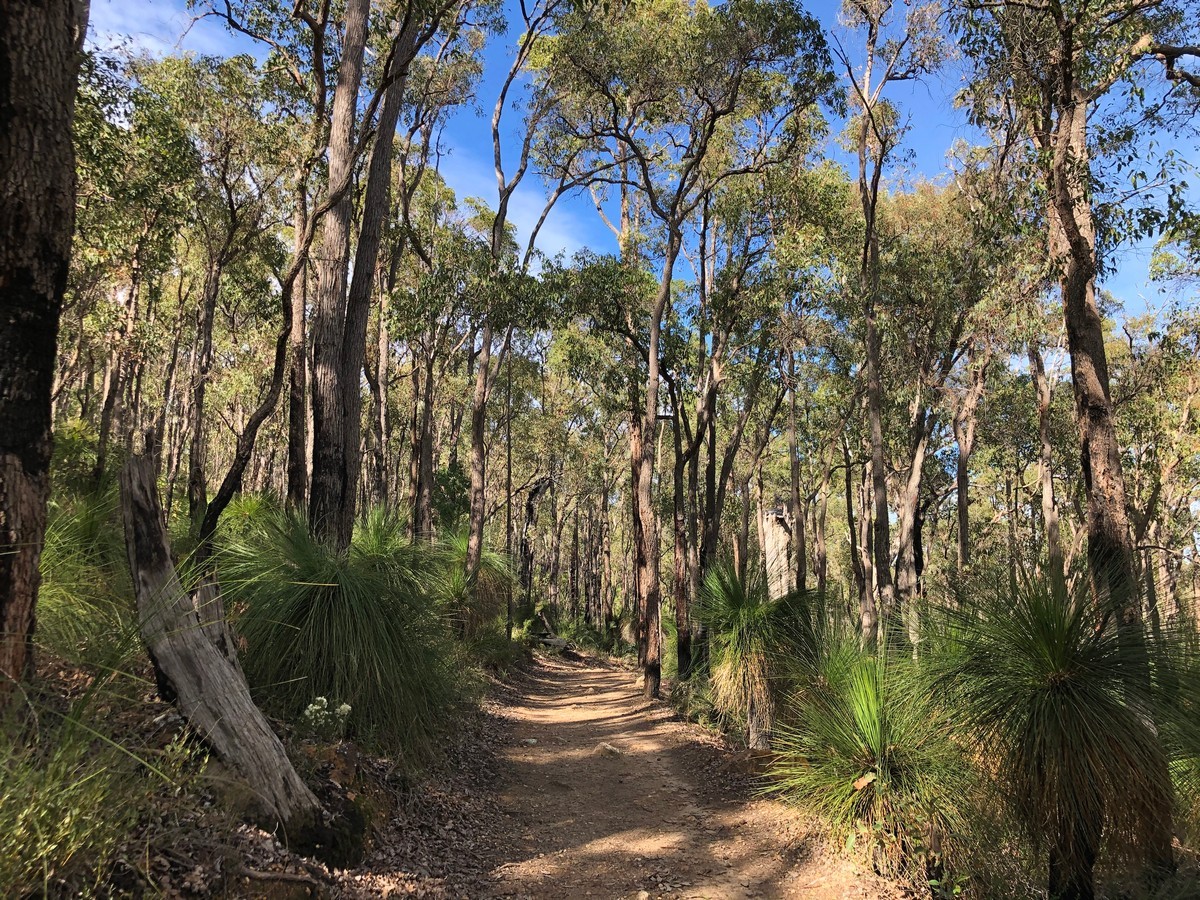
(376, 205)
(197, 484)
(39, 58)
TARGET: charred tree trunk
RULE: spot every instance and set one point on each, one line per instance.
(39, 58)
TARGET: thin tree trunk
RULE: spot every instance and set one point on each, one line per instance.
(1055, 568)
(376, 205)
(297, 459)
(197, 484)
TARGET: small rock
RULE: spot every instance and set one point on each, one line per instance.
(643, 895)
(529, 741)
(605, 749)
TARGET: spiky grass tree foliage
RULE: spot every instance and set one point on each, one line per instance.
(85, 613)
(360, 629)
(473, 607)
(1177, 661)
(867, 749)
(749, 634)
(1062, 707)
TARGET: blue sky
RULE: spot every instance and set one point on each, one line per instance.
(166, 26)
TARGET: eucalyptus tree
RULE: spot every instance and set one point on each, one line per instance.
(341, 309)
(1064, 66)
(40, 45)
(299, 42)
(681, 98)
(223, 107)
(892, 51)
(137, 172)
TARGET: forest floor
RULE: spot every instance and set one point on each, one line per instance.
(581, 788)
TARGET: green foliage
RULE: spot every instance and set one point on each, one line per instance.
(868, 749)
(1059, 704)
(85, 611)
(450, 491)
(361, 629)
(473, 607)
(65, 808)
(742, 622)
(755, 642)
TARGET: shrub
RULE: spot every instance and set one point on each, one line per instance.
(359, 628)
(867, 749)
(1060, 703)
(473, 607)
(750, 638)
(85, 607)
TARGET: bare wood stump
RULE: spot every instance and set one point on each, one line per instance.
(193, 658)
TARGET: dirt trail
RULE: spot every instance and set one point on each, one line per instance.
(662, 816)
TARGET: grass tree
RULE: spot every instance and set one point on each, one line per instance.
(1052, 695)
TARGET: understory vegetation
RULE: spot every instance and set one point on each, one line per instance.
(835, 368)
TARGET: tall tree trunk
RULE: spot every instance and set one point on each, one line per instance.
(908, 504)
(197, 484)
(647, 535)
(376, 205)
(1056, 568)
(680, 576)
(799, 547)
(1110, 547)
(866, 599)
(39, 56)
(964, 439)
(327, 491)
(297, 458)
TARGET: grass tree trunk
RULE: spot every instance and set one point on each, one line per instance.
(39, 52)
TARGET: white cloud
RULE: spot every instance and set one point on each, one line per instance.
(162, 27)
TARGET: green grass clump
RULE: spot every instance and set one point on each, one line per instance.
(753, 641)
(68, 802)
(867, 749)
(473, 606)
(360, 628)
(85, 606)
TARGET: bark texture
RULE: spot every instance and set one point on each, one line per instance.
(192, 657)
(39, 57)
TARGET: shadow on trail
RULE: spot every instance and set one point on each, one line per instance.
(655, 816)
